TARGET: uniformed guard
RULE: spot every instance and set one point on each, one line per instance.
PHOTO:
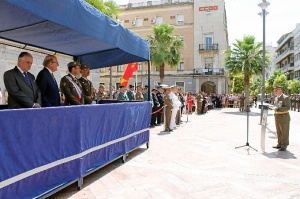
(298, 102)
(282, 118)
(160, 97)
(122, 95)
(71, 87)
(199, 99)
(242, 102)
(130, 93)
(139, 94)
(155, 108)
(292, 101)
(168, 109)
(87, 86)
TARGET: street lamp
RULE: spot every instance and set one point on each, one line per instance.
(264, 4)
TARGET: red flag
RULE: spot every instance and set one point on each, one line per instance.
(132, 67)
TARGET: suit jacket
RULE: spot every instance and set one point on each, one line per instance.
(20, 94)
(49, 89)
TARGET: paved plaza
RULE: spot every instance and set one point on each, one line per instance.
(199, 160)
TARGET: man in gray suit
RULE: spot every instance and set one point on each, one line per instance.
(20, 84)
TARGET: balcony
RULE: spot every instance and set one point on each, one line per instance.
(208, 48)
(209, 72)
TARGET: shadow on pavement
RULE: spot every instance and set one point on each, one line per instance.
(69, 191)
(280, 154)
(164, 133)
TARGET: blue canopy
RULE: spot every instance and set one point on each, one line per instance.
(71, 27)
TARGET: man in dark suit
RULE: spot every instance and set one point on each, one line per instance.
(47, 83)
(20, 84)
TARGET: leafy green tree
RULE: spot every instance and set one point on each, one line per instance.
(109, 7)
(245, 58)
(281, 80)
(255, 87)
(269, 82)
(238, 85)
(164, 48)
(294, 86)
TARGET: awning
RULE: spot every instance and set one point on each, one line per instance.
(71, 27)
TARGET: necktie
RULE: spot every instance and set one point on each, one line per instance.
(53, 78)
(27, 79)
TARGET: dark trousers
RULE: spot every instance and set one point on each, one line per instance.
(154, 115)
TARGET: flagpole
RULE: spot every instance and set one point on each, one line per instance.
(136, 78)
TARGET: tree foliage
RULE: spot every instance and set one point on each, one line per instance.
(109, 7)
(245, 58)
(238, 85)
(294, 86)
(281, 80)
(164, 48)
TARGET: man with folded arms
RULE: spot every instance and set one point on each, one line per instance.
(282, 118)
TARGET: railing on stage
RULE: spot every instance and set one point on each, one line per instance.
(44, 150)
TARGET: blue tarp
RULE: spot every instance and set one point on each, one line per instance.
(71, 27)
(44, 148)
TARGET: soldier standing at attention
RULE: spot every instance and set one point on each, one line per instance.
(130, 93)
(160, 97)
(282, 118)
(168, 109)
(71, 87)
(139, 94)
(87, 86)
(199, 103)
(122, 95)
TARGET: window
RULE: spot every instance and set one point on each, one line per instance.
(180, 19)
(208, 42)
(120, 68)
(181, 66)
(180, 85)
(140, 67)
(139, 22)
(172, 17)
(145, 19)
(159, 20)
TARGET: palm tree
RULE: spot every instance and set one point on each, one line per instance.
(164, 48)
(245, 58)
(109, 7)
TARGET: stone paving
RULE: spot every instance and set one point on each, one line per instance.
(199, 160)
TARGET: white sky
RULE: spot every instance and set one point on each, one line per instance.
(243, 18)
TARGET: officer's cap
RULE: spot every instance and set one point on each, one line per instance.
(154, 90)
(130, 86)
(277, 87)
(121, 86)
(74, 64)
(146, 86)
(83, 66)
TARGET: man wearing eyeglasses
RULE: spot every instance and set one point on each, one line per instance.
(47, 82)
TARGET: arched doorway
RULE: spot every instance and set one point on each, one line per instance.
(208, 87)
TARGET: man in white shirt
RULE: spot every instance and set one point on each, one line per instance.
(176, 106)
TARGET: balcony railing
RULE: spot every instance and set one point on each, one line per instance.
(209, 71)
(208, 47)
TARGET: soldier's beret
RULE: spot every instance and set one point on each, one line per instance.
(130, 86)
(73, 64)
(83, 66)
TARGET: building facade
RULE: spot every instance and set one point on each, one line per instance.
(202, 26)
(288, 54)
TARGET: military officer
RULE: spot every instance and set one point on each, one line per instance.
(155, 108)
(71, 87)
(298, 102)
(139, 94)
(199, 99)
(160, 97)
(130, 93)
(87, 86)
(122, 95)
(168, 109)
(282, 118)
